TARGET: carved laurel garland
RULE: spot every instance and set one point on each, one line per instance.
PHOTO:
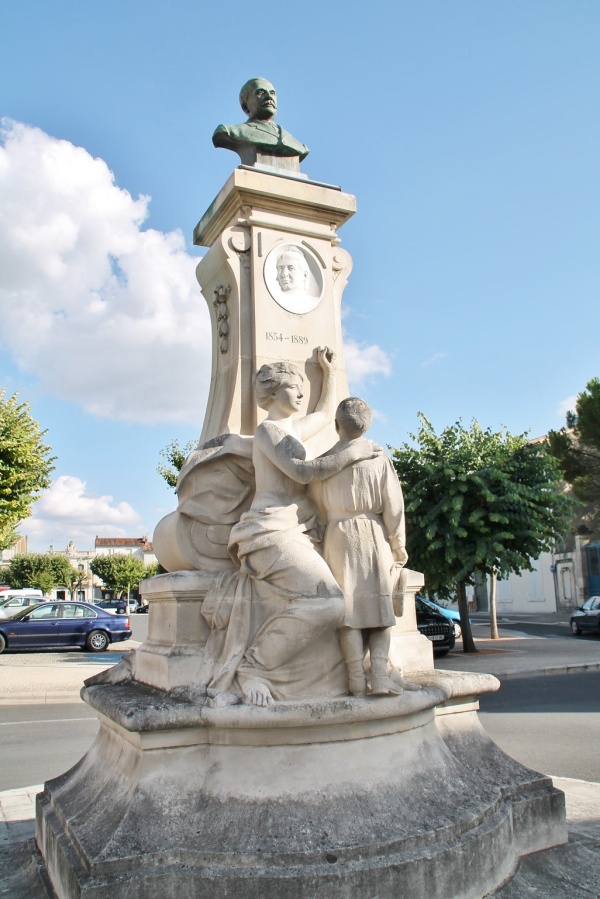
(222, 311)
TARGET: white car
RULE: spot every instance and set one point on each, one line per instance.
(16, 602)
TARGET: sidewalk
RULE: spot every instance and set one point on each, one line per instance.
(518, 654)
(42, 678)
(58, 677)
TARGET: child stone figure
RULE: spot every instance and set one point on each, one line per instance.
(364, 546)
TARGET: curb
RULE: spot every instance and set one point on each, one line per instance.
(46, 698)
(577, 668)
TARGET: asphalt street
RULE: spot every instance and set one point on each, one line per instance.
(550, 724)
(38, 742)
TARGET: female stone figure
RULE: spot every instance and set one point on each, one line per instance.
(274, 622)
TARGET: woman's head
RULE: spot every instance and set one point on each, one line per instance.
(270, 377)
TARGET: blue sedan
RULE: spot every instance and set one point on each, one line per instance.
(53, 625)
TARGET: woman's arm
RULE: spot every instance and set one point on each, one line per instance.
(286, 453)
(325, 409)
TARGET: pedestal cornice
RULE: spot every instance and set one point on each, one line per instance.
(311, 200)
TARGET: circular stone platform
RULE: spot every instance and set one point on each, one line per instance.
(351, 797)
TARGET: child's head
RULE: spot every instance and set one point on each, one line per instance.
(352, 418)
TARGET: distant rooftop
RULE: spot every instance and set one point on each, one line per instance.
(142, 542)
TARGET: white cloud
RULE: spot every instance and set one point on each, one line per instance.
(566, 405)
(104, 313)
(365, 361)
(437, 357)
(66, 511)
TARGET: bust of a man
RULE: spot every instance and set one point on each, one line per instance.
(260, 140)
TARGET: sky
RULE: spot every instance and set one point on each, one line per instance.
(468, 131)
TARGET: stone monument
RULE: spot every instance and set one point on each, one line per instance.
(283, 732)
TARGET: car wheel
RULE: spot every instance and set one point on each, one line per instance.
(2, 643)
(440, 653)
(97, 641)
(575, 629)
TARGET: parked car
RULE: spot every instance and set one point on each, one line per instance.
(11, 604)
(52, 625)
(587, 617)
(436, 627)
(20, 591)
(451, 614)
(143, 608)
(117, 605)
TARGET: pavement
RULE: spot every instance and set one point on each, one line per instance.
(571, 871)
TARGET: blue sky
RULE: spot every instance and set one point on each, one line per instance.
(468, 131)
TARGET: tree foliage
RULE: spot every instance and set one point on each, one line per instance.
(577, 446)
(174, 456)
(121, 573)
(25, 465)
(477, 501)
(40, 570)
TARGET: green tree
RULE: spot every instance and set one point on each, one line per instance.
(77, 580)
(577, 448)
(174, 456)
(40, 570)
(477, 501)
(25, 465)
(121, 573)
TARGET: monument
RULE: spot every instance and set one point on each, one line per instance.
(283, 732)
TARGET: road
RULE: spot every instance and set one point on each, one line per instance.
(550, 724)
(38, 742)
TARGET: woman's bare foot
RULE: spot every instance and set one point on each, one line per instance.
(256, 693)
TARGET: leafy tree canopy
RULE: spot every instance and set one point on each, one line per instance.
(40, 570)
(174, 456)
(25, 465)
(577, 447)
(121, 573)
(477, 500)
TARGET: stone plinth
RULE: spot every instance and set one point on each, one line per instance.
(387, 797)
(172, 655)
(177, 632)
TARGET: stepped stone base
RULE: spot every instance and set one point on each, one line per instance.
(395, 796)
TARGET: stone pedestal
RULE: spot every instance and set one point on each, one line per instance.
(254, 217)
(387, 797)
(348, 797)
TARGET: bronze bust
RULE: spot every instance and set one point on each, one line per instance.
(260, 140)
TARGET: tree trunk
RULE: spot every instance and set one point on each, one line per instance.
(493, 612)
(465, 624)
(481, 592)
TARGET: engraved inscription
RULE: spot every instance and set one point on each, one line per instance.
(293, 338)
